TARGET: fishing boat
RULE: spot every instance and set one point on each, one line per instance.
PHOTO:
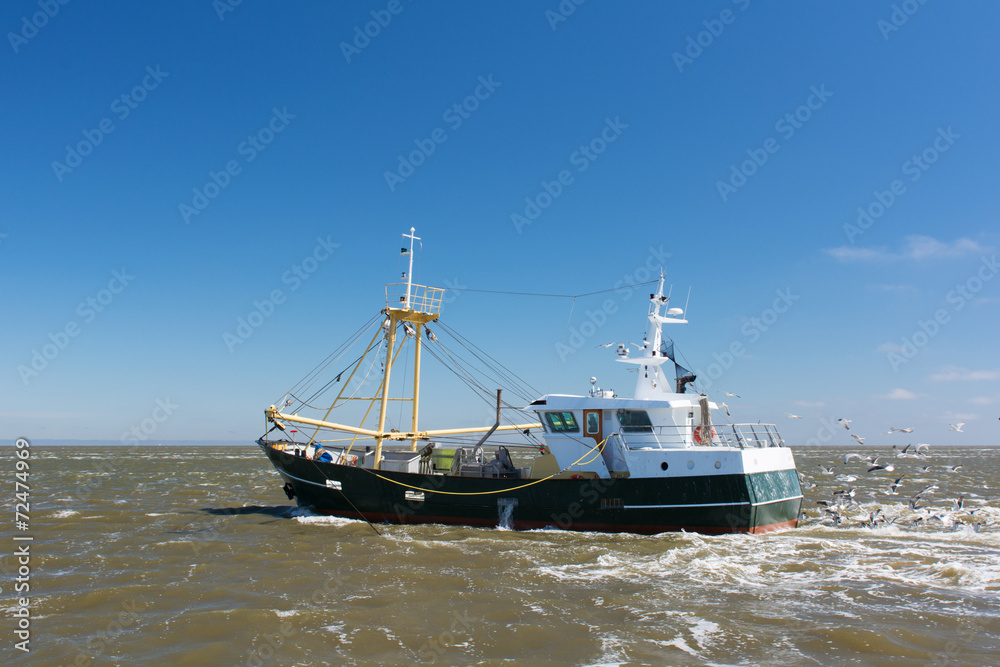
(660, 460)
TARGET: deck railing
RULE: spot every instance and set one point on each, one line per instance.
(423, 299)
(674, 436)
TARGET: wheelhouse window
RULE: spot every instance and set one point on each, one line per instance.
(593, 423)
(635, 421)
(562, 422)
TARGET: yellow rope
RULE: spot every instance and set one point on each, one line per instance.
(596, 447)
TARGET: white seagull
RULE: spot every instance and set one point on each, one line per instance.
(858, 439)
(791, 416)
(732, 395)
(844, 422)
(957, 427)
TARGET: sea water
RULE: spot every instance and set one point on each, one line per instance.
(192, 555)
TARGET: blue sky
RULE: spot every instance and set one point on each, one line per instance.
(821, 176)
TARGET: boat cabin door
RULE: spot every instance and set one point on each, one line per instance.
(593, 426)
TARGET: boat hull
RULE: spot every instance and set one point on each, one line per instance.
(750, 503)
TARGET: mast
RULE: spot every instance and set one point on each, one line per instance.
(650, 383)
(419, 305)
(409, 272)
(390, 337)
(412, 306)
(416, 386)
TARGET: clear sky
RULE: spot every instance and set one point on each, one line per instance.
(822, 176)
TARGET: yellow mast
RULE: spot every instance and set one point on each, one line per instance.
(390, 336)
(417, 305)
(416, 386)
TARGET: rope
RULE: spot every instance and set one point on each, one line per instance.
(599, 446)
(557, 296)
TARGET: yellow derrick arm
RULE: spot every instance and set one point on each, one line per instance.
(273, 414)
(478, 429)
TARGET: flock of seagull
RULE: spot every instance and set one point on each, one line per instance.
(835, 510)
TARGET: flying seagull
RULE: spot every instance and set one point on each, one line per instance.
(901, 430)
(852, 457)
(895, 485)
(956, 427)
(858, 439)
(827, 470)
(791, 416)
(726, 408)
(732, 395)
(882, 466)
(845, 422)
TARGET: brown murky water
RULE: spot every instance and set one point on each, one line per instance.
(193, 556)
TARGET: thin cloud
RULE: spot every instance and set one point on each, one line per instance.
(955, 373)
(915, 247)
(851, 254)
(899, 394)
(881, 287)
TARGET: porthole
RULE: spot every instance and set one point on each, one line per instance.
(664, 465)
(718, 464)
(690, 465)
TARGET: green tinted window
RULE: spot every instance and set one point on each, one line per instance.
(635, 421)
(561, 422)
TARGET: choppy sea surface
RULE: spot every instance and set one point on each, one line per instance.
(192, 555)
